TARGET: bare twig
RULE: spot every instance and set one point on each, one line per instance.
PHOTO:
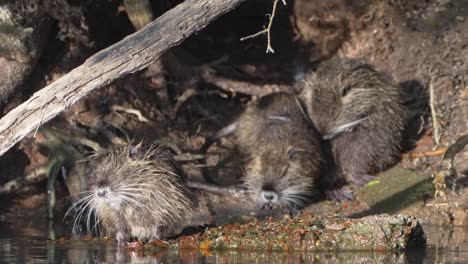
(132, 111)
(268, 29)
(435, 123)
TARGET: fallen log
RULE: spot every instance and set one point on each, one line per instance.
(131, 54)
(308, 233)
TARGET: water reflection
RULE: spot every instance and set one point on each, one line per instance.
(445, 245)
(109, 254)
(35, 250)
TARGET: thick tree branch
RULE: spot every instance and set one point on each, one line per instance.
(131, 54)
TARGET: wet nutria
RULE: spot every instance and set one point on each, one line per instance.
(137, 192)
(359, 110)
(283, 152)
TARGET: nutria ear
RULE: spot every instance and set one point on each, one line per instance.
(136, 152)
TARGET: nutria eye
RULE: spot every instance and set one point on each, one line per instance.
(136, 153)
(346, 90)
(295, 154)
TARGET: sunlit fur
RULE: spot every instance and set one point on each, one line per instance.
(145, 193)
(283, 152)
(360, 110)
(271, 169)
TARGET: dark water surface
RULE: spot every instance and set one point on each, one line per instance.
(445, 245)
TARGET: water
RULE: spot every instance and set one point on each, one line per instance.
(445, 245)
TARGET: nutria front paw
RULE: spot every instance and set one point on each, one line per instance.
(340, 194)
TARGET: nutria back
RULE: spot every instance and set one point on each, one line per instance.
(359, 110)
(137, 192)
(283, 152)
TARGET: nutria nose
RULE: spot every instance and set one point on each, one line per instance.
(102, 193)
(269, 196)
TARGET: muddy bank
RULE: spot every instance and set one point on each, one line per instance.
(423, 45)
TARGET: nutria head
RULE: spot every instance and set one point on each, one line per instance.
(280, 176)
(283, 152)
(127, 174)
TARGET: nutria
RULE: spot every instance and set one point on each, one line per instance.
(359, 110)
(137, 192)
(282, 150)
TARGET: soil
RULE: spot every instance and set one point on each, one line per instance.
(423, 44)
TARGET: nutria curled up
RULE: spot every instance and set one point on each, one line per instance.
(137, 192)
(359, 111)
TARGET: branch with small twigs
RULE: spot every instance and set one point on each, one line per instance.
(267, 30)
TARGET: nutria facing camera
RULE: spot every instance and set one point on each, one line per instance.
(137, 192)
(283, 151)
(360, 111)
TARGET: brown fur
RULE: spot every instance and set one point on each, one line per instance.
(146, 194)
(342, 91)
(283, 151)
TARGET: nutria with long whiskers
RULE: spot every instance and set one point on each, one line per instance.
(135, 192)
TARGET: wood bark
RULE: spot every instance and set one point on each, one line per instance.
(23, 34)
(131, 54)
(309, 233)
